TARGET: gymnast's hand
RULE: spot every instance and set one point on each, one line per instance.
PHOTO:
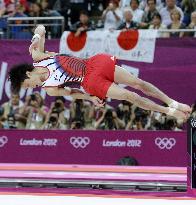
(34, 45)
(97, 102)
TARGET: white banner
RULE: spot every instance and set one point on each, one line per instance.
(132, 45)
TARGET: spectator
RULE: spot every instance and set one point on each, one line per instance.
(80, 113)
(188, 7)
(2, 8)
(141, 115)
(98, 111)
(55, 29)
(12, 4)
(59, 107)
(138, 119)
(10, 7)
(76, 124)
(75, 7)
(137, 123)
(2, 118)
(112, 16)
(171, 124)
(192, 25)
(157, 24)
(96, 8)
(129, 124)
(124, 3)
(149, 14)
(176, 24)
(36, 114)
(53, 121)
(166, 12)
(83, 25)
(13, 105)
(124, 111)
(10, 122)
(158, 121)
(40, 101)
(35, 10)
(128, 22)
(144, 5)
(3, 19)
(24, 111)
(62, 7)
(149, 121)
(19, 11)
(19, 31)
(109, 121)
(12, 115)
(137, 13)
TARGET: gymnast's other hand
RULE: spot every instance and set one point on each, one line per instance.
(97, 102)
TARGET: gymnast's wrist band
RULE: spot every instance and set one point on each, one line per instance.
(36, 36)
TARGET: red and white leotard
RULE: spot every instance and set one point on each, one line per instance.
(95, 74)
(63, 69)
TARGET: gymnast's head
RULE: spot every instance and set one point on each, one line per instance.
(24, 75)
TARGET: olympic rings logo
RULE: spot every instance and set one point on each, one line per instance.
(165, 143)
(79, 142)
(193, 122)
(3, 141)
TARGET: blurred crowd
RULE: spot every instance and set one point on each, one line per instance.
(85, 15)
(79, 114)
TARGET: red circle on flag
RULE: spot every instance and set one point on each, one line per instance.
(76, 43)
(127, 40)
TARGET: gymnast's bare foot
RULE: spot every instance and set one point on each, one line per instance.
(180, 106)
(179, 115)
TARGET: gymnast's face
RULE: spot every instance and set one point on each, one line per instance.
(32, 81)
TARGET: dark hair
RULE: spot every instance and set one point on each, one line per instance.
(17, 75)
(39, 5)
(157, 16)
(137, 1)
(115, 2)
(127, 161)
(61, 98)
(155, 1)
(170, 124)
(84, 13)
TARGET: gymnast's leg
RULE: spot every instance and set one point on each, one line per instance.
(116, 92)
(124, 77)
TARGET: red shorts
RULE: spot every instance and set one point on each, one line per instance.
(99, 75)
